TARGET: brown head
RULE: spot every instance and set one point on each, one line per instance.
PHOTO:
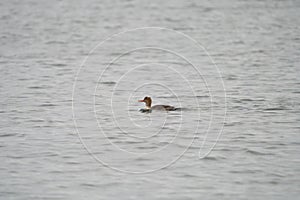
(147, 101)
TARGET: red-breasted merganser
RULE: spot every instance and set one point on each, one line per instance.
(148, 101)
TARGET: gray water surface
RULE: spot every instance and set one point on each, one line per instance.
(71, 129)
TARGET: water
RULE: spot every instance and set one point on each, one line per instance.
(113, 151)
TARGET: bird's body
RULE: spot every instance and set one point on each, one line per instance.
(163, 107)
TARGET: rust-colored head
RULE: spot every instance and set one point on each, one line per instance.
(147, 101)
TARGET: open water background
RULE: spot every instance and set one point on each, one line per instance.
(255, 45)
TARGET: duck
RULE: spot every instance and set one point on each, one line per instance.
(148, 101)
